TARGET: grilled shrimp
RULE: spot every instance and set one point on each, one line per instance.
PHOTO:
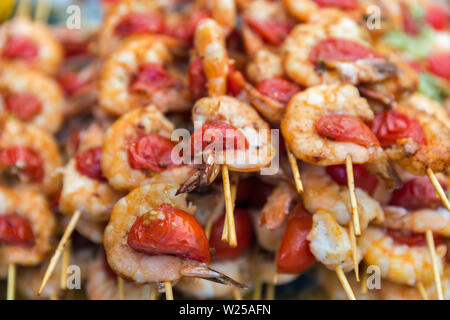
(308, 108)
(32, 97)
(160, 256)
(28, 226)
(435, 153)
(84, 187)
(278, 206)
(102, 283)
(399, 263)
(421, 220)
(28, 156)
(88, 228)
(330, 242)
(136, 75)
(264, 65)
(321, 192)
(125, 160)
(332, 50)
(31, 44)
(268, 239)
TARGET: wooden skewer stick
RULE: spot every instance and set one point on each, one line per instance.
(295, 171)
(42, 10)
(270, 291)
(422, 290)
(169, 293)
(23, 9)
(53, 296)
(437, 186)
(59, 250)
(351, 190)
(434, 261)
(364, 289)
(258, 288)
(121, 288)
(344, 282)
(232, 240)
(234, 186)
(152, 293)
(237, 294)
(64, 265)
(11, 289)
(354, 250)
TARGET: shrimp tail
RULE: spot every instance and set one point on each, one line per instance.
(384, 170)
(204, 272)
(203, 176)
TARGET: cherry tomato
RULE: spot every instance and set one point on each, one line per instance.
(436, 17)
(417, 193)
(294, 255)
(23, 105)
(439, 64)
(196, 79)
(410, 238)
(345, 128)
(168, 230)
(71, 83)
(341, 4)
(215, 135)
(244, 236)
(410, 26)
(363, 179)
(20, 48)
(278, 89)
(151, 152)
(271, 31)
(253, 192)
(88, 163)
(15, 230)
(151, 77)
(390, 126)
(233, 86)
(139, 22)
(25, 159)
(339, 49)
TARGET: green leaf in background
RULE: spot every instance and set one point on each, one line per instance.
(418, 47)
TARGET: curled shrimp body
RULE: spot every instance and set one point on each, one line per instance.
(88, 228)
(209, 43)
(330, 242)
(35, 217)
(264, 65)
(101, 283)
(436, 220)
(42, 51)
(399, 263)
(115, 158)
(126, 78)
(301, 9)
(81, 191)
(301, 65)
(30, 156)
(321, 192)
(31, 88)
(244, 118)
(268, 239)
(435, 154)
(307, 107)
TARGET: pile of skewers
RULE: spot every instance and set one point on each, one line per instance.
(216, 146)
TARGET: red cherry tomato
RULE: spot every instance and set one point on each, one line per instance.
(72, 83)
(271, 31)
(233, 86)
(436, 17)
(138, 23)
(341, 4)
(278, 89)
(20, 48)
(339, 49)
(151, 77)
(15, 230)
(25, 159)
(215, 135)
(196, 79)
(168, 230)
(151, 152)
(25, 106)
(410, 26)
(345, 128)
(390, 126)
(294, 255)
(244, 236)
(417, 193)
(88, 163)
(363, 179)
(410, 238)
(439, 64)
(253, 192)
